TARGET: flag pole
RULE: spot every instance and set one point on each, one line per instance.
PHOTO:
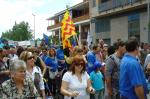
(77, 40)
(67, 7)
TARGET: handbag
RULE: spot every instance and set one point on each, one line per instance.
(52, 74)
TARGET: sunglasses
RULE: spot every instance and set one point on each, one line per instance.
(30, 57)
(78, 64)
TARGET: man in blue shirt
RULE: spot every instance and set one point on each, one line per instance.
(91, 58)
(132, 80)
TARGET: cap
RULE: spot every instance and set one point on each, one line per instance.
(97, 64)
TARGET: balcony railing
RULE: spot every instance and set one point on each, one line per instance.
(115, 4)
(78, 19)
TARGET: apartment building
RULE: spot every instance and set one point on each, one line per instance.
(113, 19)
(80, 17)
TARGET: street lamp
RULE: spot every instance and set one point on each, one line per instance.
(34, 26)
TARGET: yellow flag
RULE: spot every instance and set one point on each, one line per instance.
(67, 29)
(66, 44)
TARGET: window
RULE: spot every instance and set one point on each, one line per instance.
(93, 3)
(60, 18)
(134, 26)
(84, 30)
(102, 25)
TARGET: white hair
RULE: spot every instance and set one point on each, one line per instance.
(17, 65)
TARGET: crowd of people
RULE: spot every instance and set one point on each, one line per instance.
(98, 71)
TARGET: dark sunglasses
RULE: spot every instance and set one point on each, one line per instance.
(30, 57)
(78, 64)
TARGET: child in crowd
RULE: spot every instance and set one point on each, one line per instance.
(97, 81)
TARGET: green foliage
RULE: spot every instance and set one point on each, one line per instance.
(78, 33)
(54, 40)
(19, 32)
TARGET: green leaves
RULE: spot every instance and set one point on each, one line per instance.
(19, 32)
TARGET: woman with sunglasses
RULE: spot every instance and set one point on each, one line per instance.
(38, 61)
(34, 72)
(76, 82)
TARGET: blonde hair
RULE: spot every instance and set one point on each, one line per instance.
(77, 51)
(24, 55)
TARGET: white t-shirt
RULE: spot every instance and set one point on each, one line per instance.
(76, 85)
(31, 75)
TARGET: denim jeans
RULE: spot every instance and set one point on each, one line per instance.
(99, 94)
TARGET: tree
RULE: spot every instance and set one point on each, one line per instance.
(19, 32)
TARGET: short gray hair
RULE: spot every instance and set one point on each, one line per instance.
(17, 64)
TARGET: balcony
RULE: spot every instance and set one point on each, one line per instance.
(78, 19)
(116, 4)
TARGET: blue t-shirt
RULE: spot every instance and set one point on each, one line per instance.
(97, 80)
(131, 75)
(43, 57)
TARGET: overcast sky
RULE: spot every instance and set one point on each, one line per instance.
(22, 10)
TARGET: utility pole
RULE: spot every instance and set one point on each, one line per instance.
(148, 18)
(34, 26)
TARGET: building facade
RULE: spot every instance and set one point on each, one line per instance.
(119, 19)
(80, 17)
